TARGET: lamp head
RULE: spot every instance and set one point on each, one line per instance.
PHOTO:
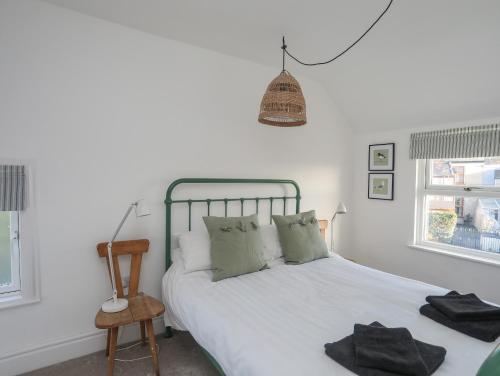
(141, 210)
(341, 209)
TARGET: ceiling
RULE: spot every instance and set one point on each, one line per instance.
(427, 62)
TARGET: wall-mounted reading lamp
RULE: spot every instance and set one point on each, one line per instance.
(341, 209)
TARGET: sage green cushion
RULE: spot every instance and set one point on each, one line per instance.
(300, 237)
(236, 246)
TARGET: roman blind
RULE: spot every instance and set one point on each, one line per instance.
(467, 142)
(12, 188)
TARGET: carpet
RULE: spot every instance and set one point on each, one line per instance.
(179, 355)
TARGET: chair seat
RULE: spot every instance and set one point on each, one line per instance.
(141, 307)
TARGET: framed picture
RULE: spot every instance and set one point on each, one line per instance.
(381, 157)
(381, 186)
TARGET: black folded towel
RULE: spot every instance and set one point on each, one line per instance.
(485, 330)
(390, 349)
(343, 352)
(466, 307)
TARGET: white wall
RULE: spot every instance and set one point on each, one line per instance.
(108, 115)
(382, 230)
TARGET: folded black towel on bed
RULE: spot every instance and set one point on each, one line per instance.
(344, 353)
(485, 330)
(390, 349)
(466, 307)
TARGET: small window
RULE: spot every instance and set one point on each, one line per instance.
(458, 205)
(9, 252)
(19, 273)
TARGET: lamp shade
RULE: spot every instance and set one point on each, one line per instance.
(283, 104)
(141, 209)
(341, 209)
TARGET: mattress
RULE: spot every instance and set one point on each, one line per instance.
(275, 322)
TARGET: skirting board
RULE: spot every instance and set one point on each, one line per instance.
(67, 348)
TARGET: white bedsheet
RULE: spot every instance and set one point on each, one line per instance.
(275, 322)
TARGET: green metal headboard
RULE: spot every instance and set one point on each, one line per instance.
(208, 201)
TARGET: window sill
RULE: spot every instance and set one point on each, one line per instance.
(16, 301)
(457, 254)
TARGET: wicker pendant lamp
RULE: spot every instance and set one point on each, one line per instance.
(283, 104)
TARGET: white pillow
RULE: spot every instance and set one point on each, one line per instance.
(195, 247)
(175, 255)
(271, 240)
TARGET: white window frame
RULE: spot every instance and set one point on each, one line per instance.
(15, 266)
(27, 251)
(423, 189)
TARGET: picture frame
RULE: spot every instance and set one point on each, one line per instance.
(381, 157)
(381, 186)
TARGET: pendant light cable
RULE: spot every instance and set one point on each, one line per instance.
(283, 104)
(284, 46)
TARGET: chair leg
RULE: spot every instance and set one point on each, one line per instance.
(112, 351)
(143, 332)
(108, 338)
(152, 346)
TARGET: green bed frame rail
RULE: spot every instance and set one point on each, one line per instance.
(208, 201)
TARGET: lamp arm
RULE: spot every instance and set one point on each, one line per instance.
(110, 254)
(331, 231)
(331, 237)
(127, 213)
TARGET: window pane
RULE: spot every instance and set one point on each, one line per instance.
(469, 222)
(472, 172)
(5, 252)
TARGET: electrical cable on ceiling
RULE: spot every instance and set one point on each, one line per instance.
(284, 46)
(283, 104)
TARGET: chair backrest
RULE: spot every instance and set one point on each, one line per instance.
(134, 248)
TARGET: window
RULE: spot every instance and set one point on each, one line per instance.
(19, 274)
(10, 281)
(458, 204)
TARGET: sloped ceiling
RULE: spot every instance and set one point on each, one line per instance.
(427, 62)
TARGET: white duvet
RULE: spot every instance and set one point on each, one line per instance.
(275, 322)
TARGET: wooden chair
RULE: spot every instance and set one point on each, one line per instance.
(141, 307)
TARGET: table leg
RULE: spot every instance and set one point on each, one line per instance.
(152, 346)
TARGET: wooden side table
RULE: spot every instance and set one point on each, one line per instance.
(323, 225)
(141, 308)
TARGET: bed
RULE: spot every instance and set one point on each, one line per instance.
(276, 321)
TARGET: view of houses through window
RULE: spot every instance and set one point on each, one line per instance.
(464, 218)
